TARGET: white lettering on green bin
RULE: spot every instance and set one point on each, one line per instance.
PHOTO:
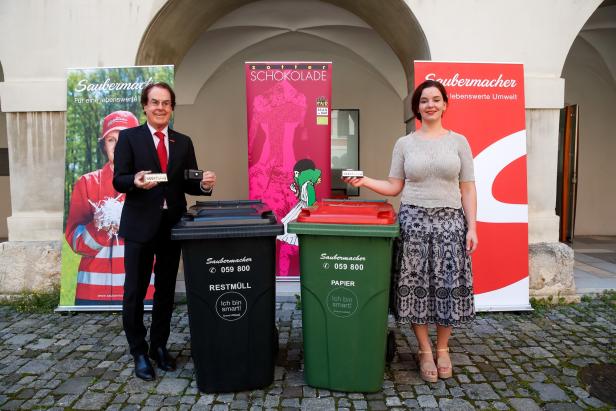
(342, 302)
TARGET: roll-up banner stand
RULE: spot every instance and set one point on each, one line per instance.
(289, 165)
(100, 103)
(486, 104)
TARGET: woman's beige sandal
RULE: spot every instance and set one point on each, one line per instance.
(427, 369)
(445, 370)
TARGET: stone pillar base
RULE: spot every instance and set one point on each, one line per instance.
(35, 226)
(551, 272)
(27, 266)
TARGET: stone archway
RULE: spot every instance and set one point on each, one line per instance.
(219, 36)
(163, 43)
(590, 83)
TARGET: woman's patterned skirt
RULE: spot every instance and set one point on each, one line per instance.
(433, 282)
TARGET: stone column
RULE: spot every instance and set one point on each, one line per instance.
(30, 260)
(36, 153)
(550, 262)
(542, 148)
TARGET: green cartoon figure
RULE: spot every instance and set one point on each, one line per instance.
(305, 178)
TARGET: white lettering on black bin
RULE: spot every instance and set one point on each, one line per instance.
(231, 306)
(342, 302)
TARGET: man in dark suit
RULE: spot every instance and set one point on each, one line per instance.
(150, 210)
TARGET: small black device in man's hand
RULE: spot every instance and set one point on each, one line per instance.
(193, 175)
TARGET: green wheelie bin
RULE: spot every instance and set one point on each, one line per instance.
(345, 264)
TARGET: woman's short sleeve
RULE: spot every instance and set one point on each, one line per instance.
(397, 161)
(467, 169)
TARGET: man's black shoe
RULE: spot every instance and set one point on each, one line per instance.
(143, 368)
(163, 359)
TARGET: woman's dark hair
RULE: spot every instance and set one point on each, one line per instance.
(417, 95)
(303, 165)
(146, 91)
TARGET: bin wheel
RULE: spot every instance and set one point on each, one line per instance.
(391, 347)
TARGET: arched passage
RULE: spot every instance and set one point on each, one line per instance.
(372, 45)
(590, 84)
(163, 43)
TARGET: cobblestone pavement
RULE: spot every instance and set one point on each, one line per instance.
(519, 361)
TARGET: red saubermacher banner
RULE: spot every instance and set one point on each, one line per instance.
(486, 104)
(289, 160)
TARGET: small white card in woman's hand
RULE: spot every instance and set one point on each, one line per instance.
(352, 173)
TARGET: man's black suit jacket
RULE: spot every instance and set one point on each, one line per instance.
(135, 151)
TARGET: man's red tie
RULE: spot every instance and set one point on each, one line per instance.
(161, 150)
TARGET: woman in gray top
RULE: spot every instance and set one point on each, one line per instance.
(433, 168)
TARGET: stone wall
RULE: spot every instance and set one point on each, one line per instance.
(27, 266)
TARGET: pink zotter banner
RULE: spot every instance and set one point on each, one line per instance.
(486, 104)
(289, 165)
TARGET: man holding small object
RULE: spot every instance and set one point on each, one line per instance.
(153, 206)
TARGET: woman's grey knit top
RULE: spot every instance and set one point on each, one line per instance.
(432, 169)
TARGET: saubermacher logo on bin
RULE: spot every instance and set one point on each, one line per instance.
(229, 265)
(224, 260)
(325, 256)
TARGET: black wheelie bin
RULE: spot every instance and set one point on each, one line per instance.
(229, 254)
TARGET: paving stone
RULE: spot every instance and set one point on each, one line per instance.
(290, 402)
(239, 405)
(549, 392)
(393, 401)
(377, 405)
(318, 403)
(271, 401)
(360, 404)
(35, 367)
(594, 402)
(579, 392)
(309, 392)
(76, 385)
(171, 386)
(561, 406)
(69, 365)
(205, 400)
(427, 401)
(20, 339)
(500, 406)
(3, 399)
(93, 401)
(524, 404)
(411, 403)
(456, 404)
(225, 398)
(480, 391)
(463, 378)
(13, 405)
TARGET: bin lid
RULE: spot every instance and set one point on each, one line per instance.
(224, 219)
(348, 212)
(347, 217)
